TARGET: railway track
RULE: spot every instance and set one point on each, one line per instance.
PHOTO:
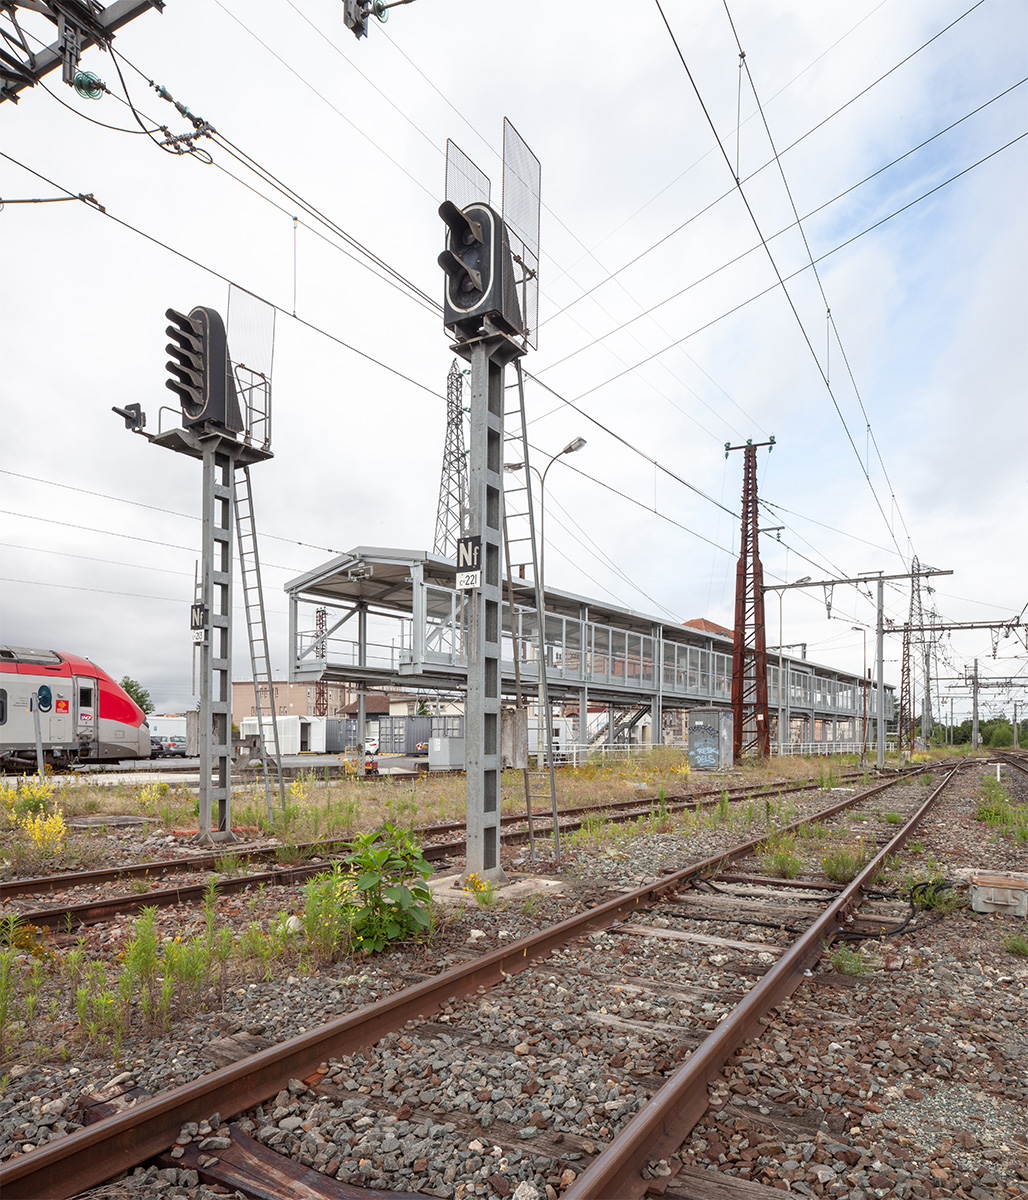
(209, 861)
(532, 983)
(71, 917)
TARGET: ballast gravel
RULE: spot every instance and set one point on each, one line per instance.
(905, 1082)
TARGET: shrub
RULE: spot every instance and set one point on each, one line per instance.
(46, 834)
(391, 874)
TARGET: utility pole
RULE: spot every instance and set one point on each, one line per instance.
(751, 721)
(451, 512)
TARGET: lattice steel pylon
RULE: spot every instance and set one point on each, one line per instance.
(906, 709)
(751, 731)
(451, 514)
(921, 654)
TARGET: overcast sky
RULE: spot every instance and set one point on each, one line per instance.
(893, 380)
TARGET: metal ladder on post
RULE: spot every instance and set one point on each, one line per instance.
(519, 530)
(257, 637)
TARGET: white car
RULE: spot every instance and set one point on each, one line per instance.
(371, 746)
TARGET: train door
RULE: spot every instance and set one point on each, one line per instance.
(55, 706)
(86, 705)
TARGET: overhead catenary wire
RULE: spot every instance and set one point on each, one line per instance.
(772, 237)
(424, 387)
(328, 335)
(773, 287)
(624, 441)
(820, 284)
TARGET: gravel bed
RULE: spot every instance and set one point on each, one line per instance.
(513, 1092)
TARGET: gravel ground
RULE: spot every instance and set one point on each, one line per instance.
(918, 1087)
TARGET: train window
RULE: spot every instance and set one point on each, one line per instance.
(85, 697)
(3, 706)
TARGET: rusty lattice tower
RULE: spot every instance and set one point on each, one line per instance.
(751, 720)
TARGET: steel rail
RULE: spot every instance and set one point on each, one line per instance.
(93, 912)
(661, 1127)
(202, 862)
(94, 1154)
(1014, 760)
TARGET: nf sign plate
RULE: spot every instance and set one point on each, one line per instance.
(197, 616)
(469, 563)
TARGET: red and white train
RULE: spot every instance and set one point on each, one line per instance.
(84, 716)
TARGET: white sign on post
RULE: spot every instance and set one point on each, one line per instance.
(469, 563)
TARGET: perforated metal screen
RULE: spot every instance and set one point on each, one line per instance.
(465, 183)
(521, 179)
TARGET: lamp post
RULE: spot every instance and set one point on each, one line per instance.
(781, 668)
(576, 444)
(863, 687)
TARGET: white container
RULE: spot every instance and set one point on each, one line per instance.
(1001, 892)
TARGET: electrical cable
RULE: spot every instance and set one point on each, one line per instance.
(321, 96)
(792, 145)
(824, 297)
(132, 537)
(93, 120)
(89, 558)
(227, 279)
(52, 483)
(774, 286)
(74, 587)
(339, 341)
(756, 246)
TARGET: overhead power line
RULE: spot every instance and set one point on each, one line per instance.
(763, 167)
(227, 279)
(756, 245)
(171, 512)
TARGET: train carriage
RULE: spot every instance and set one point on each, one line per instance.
(84, 716)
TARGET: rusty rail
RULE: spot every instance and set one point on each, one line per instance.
(89, 1156)
(92, 912)
(204, 862)
(662, 1126)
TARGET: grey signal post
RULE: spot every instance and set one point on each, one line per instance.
(489, 354)
(221, 453)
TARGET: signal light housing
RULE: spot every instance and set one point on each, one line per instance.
(201, 374)
(479, 272)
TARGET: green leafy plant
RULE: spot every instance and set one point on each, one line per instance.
(391, 874)
(330, 902)
(893, 818)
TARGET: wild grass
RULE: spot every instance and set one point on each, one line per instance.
(851, 962)
(842, 862)
(1000, 813)
(779, 857)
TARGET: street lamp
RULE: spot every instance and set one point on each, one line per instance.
(572, 446)
(863, 685)
(781, 661)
